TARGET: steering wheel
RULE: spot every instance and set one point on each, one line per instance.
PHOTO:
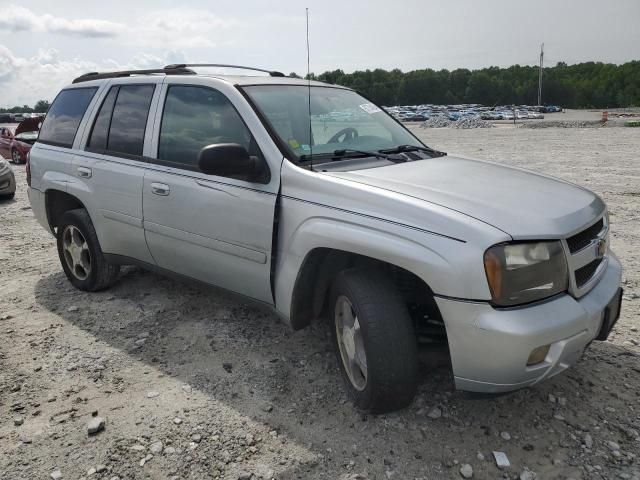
(345, 135)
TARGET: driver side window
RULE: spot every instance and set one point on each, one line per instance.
(195, 117)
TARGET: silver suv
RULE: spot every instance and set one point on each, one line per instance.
(311, 199)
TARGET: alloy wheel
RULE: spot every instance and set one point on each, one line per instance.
(76, 252)
(351, 343)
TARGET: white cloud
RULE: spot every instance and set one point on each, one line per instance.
(16, 18)
(25, 80)
(184, 28)
(169, 28)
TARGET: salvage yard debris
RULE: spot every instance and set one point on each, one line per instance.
(443, 122)
(563, 124)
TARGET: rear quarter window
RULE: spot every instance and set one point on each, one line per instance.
(63, 118)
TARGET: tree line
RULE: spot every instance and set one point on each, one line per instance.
(41, 106)
(583, 85)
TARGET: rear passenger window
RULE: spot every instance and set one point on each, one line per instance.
(195, 117)
(100, 131)
(63, 118)
(120, 124)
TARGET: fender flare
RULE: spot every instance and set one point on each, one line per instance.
(342, 236)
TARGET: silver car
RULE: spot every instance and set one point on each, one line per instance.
(7, 180)
(310, 199)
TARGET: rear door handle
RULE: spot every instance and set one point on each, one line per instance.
(160, 189)
(84, 172)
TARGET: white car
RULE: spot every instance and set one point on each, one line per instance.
(229, 180)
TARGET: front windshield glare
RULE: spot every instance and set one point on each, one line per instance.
(340, 119)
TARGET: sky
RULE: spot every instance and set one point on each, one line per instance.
(45, 44)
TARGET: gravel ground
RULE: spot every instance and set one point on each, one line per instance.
(191, 383)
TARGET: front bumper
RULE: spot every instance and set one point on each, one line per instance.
(7, 183)
(489, 347)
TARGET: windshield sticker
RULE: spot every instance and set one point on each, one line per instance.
(370, 108)
(306, 148)
(293, 143)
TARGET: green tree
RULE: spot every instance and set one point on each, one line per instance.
(41, 106)
(589, 84)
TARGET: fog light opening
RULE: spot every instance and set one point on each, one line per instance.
(538, 355)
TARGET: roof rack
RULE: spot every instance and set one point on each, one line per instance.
(168, 70)
(271, 73)
(176, 69)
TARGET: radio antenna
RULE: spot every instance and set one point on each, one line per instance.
(309, 93)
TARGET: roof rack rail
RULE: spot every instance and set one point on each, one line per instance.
(272, 73)
(169, 70)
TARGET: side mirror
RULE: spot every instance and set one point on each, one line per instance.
(232, 160)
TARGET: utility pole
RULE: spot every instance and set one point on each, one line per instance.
(540, 74)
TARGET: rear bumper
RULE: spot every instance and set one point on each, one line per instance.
(490, 348)
(37, 201)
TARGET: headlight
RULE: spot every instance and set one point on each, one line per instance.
(525, 272)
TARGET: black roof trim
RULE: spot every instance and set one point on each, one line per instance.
(272, 73)
(169, 70)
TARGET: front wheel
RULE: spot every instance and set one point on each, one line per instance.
(80, 253)
(374, 339)
(15, 156)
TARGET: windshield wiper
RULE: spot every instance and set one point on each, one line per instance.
(344, 153)
(413, 148)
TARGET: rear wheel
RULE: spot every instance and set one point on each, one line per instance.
(80, 253)
(15, 156)
(374, 341)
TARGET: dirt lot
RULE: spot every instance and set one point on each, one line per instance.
(193, 384)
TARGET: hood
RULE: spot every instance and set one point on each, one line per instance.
(29, 125)
(522, 204)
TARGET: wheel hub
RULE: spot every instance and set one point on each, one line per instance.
(76, 252)
(351, 343)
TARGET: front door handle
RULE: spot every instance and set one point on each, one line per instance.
(84, 172)
(160, 189)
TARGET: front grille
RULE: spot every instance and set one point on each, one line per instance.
(585, 237)
(584, 274)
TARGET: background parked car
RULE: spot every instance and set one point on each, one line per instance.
(6, 137)
(25, 135)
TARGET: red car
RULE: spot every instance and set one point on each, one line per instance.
(25, 135)
(6, 138)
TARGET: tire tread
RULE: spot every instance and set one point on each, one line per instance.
(106, 273)
(393, 370)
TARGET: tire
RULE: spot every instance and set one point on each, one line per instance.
(385, 335)
(15, 156)
(80, 254)
(7, 196)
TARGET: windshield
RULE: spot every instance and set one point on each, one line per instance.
(27, 136)
(340, 119)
